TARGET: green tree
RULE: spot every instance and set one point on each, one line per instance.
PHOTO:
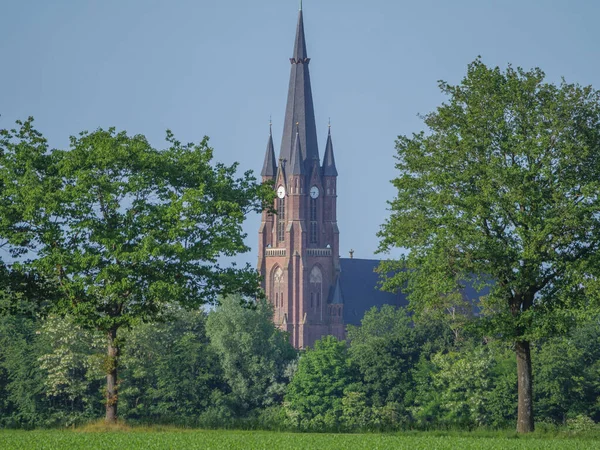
(566, 371)
(503, 193)
(384, 349)
(24, 166)
(462, 382)
(71, 369)
(252, 351)
(169, 369)
(131, 229)
(314, 396)
(26, 175)
(22, 400)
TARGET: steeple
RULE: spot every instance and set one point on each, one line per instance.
(270, 166)
(298, 242)
(296, 165)
(300, 108)
(329, 169)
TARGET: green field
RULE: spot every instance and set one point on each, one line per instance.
(196, 439)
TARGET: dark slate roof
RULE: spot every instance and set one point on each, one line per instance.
(359, 289)
(270, 166)
(300, 107)
(329, 161)
(296, 166)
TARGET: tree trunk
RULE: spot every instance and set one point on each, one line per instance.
(524, 387)
(112, 388)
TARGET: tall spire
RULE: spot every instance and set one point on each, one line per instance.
(300, 109)
(270, 166)
(296, 165)
(329, 169)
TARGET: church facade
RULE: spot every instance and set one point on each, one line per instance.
(314, 292)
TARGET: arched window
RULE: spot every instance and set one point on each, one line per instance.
(315, 275)
(280, 219)
(277, 287)
(315, 286)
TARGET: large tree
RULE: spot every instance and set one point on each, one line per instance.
(128, 229)
(314, 395)
(503, 192)
(253, 352)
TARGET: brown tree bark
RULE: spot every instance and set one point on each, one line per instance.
(111, 377)
(525, 422)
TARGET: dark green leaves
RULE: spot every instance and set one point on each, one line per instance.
(502, 192)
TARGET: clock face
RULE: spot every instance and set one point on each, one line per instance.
(314, 192)
(280, 192)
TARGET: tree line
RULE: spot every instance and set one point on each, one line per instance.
(231, 367)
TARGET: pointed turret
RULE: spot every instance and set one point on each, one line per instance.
(300, 104)
(329, 169)
(270, 166)
(296, 165)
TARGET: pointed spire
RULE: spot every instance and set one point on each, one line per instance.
(300, 42)
(296, 165)
(300, 107)
(270, 166)
(329, 169)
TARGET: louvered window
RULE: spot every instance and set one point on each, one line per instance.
(313, 221)
(281, 219)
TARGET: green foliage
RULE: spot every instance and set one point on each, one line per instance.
(123, 229)
(170, 372)
(26, 176)
(581, 424)
(22, 402)
(314, 395)
(25, 179)
(462, 382)
(567, 373)
(71, 368)
(502, 192)
(252, 351)
(133, 229)
(384, 349)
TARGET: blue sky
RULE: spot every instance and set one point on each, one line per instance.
(220, 68)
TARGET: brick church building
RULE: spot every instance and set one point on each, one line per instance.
(314, 292)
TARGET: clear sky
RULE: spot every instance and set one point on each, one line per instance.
(220, 68)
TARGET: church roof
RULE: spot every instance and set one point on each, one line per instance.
(358, 286)
(300, 109)
(359, 289)
(329, 161)
(270, 166)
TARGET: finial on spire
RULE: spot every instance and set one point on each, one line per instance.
(270, 126)
(300, 5)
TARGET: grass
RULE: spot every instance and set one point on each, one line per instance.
(120, 436)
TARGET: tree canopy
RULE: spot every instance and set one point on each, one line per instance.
(502, 192)
(124, 229)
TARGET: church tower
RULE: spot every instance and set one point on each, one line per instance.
(299, 245)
